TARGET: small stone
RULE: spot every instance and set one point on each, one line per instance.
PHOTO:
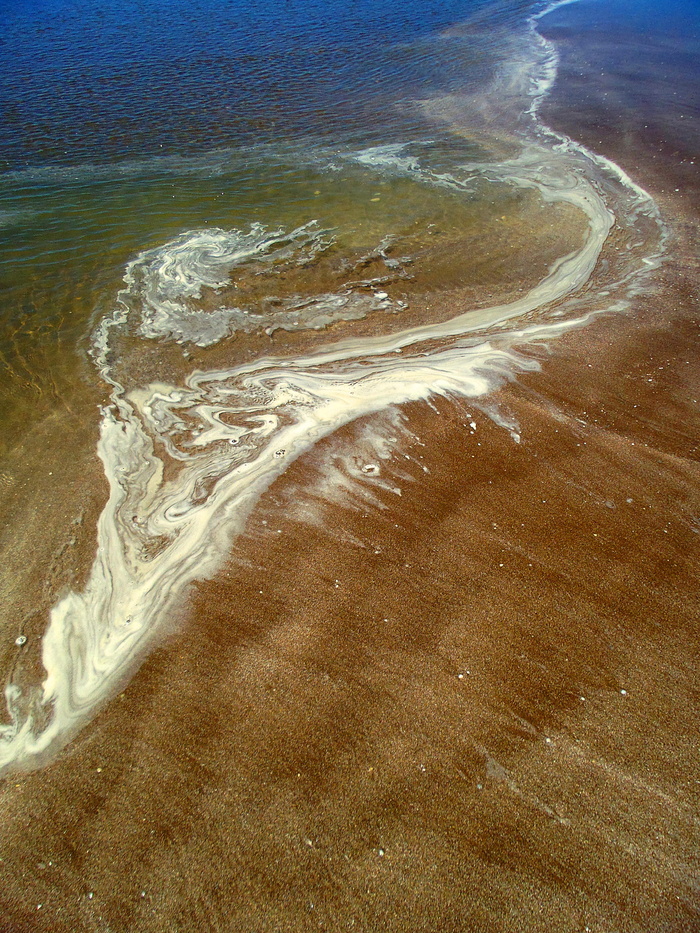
(21, 640)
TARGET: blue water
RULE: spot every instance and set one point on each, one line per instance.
(195, 106)
(84, 81)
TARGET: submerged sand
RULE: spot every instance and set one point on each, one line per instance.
(470, 706)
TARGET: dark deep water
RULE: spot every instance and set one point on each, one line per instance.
(108, 81)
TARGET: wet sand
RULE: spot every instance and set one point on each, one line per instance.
(470, 706)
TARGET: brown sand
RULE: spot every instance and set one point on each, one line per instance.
(474, 709)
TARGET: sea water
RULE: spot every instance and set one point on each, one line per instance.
(236, 228)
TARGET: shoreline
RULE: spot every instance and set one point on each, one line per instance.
(157, 536)
(494, 729)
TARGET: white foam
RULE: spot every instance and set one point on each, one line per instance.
(392, 156)
(163, 283)
(169, 291)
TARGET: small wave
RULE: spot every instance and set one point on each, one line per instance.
(10, 219)
(213, 162)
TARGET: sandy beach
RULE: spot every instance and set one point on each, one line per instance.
(466, 700)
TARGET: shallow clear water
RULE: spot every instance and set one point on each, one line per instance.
(132, 124)
(126, 125)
